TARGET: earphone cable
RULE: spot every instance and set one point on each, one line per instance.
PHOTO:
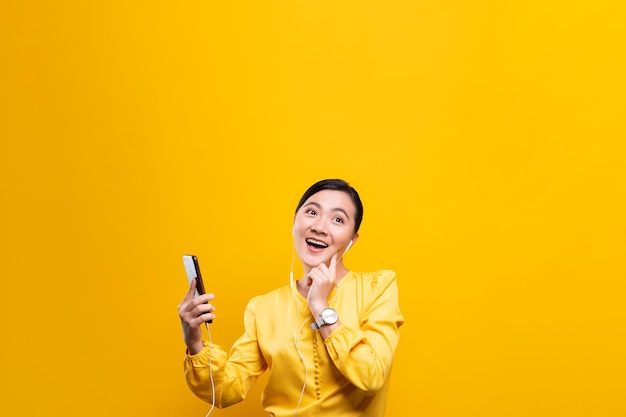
(306, 371)
(210, 370)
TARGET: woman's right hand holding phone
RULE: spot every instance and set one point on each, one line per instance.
(193, 312)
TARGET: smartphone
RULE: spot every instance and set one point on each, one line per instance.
(192, 268)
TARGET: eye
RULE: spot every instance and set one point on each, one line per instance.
(311, 212)
(338, 220)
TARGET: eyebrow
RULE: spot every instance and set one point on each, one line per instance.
(313, 203)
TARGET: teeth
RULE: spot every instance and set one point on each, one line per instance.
(316, 243)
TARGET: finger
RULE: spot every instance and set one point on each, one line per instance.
(200, 300)
(192, 289)
(191, 313)
(316, 273)
(207, 317)
(189, 296)
(201, 319)
(203, 309)
(333, 265)
(207, 313)
(319, 266)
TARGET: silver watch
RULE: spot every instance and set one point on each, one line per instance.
(327, 316)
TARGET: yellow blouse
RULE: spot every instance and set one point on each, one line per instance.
(345, 375)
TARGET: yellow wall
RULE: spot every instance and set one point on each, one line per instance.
(486, 139)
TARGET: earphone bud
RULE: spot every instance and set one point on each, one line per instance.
(344, 252)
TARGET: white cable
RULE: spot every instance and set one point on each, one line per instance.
(295, 325)
(306, 371)
(210, 371)
(293, 258)
(295, 322)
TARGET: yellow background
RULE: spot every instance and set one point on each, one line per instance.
(486, 139)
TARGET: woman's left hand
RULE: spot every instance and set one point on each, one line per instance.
(322, 281)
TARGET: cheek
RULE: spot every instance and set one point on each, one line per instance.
(300, 226)
(344, 237)
(298, 237)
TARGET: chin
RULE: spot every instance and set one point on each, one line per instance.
(312, 261)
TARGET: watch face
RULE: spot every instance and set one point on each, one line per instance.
(329, 316)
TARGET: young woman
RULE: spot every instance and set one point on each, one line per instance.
(328, 339)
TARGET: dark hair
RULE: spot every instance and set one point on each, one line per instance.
(337, 185)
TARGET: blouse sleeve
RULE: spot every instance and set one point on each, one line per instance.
(233, 374)
(364, 354)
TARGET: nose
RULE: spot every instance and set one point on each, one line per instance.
(318, 228)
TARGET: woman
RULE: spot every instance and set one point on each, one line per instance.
(328, 339)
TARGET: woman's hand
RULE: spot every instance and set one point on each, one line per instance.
(322, 281)
(193, 312)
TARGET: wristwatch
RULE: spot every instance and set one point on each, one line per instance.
(327, 316)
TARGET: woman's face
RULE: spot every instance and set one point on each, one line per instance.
(324, 226)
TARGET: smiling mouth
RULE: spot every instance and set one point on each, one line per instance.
(316, 243)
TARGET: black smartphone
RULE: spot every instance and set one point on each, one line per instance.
(192, 268)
